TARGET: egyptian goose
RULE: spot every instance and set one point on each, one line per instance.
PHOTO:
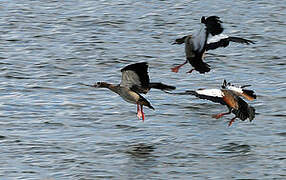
(135, 80)
(210, 37)
(228, 95)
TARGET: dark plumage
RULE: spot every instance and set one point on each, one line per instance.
(195, 46)
(136, 77)
(213, 24)
(194, 50)
(224, 40)
(209, 37)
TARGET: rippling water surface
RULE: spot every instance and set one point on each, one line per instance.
(51, 127)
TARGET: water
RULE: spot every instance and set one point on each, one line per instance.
(54, 128)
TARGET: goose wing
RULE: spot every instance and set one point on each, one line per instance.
(223, 40)
(135, 77)
(214, 95)
(240, 40)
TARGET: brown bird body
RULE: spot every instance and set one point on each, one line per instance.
(228, 95)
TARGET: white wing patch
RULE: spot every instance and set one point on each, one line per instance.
(210, 92)
(235, 89)
(216, 38)
(129, 78)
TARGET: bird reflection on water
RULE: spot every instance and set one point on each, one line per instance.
(141, 150)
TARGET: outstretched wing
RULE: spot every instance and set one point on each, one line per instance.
(214, 95)
(240, 40)
(223, 40)
(135, 77)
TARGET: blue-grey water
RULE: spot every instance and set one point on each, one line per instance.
(52, 127)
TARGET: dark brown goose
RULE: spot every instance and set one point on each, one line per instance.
(195, 46)
(210, 37)
(135, 80)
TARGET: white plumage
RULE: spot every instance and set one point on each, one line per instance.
(235, 89)
(210, 92)
(216, 38)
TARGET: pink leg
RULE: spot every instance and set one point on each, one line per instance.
(143, 116)
(217, 116)
(139, 114)
(231, 121)
(176, 68)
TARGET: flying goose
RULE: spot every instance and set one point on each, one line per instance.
(228, 95)
(195, 46)
(135, 80)
(209, 37)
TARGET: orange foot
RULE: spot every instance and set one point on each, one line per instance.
(231, 121)
(217, 116)
(175, 69)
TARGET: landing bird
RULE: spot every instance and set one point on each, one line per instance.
(135, 80)
(240, 90)
(228, 95)
(210, 37)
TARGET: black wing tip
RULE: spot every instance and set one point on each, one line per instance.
(135, 66)
(172, 87)
(151, 107)
(247, 42)
(161, 86)
(191, 92)
(241, 40)
(251, 42)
